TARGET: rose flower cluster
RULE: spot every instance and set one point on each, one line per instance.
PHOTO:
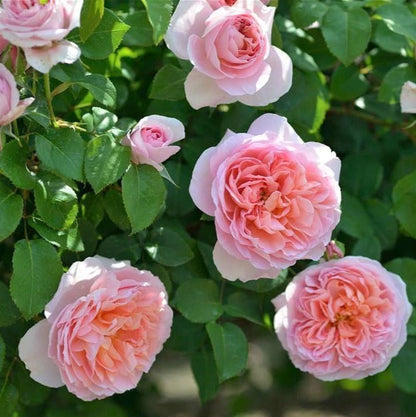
(275, 200)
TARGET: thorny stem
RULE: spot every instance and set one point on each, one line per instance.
(49, 99)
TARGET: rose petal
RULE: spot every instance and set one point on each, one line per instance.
(408, 97)
(33, 351)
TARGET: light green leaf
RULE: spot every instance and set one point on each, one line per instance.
(199, 300)
(159, 12)
(340, 28)
(230, 349)
(37, 270)
(106, 37)
(91, 15)
(143, 194)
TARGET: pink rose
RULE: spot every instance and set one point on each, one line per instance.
(151, 140)
(215, 4)
(10, 106)
(345, 318)
(230, 48)
(38, 27)
(103, 329)
(275, 198)
(408, 97)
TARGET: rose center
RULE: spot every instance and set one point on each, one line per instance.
(153, 135)
(246, 36)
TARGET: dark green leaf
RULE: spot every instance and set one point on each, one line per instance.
(393, 81)
(347, 83)
(403, 367)
(143, 195)
(31, 392)
(140, 32)
(9, 313)
(2, 352)
(14, 165)
(62, 152)
(399, 19)
(230, 349)
(306, 12)
(241, 304)
(11, 211)
(105, 162)
(120, 247)
(114, 207)
(198, 300)
(168, 248)
(406, 269)
(204, 370)
(340, 28)
(37, 270)
(168, 84)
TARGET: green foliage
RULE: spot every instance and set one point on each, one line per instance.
(168, 84)
(91, 15)
(11, 210)
(159, 12)
(32, 285)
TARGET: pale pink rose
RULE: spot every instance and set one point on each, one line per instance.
(151, 140)
(275, 198)
(38, 28)
(215, 4)
(345, 318)
(103, 329)
(230, 48)
(10, 106)
(408, 97)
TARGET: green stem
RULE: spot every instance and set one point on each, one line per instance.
(15, 128)
(49, 99)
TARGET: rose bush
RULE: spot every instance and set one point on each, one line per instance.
(275, 198)
(230, 48)
(38, 27)
(103, 329)
(344, 318)
(151, 140)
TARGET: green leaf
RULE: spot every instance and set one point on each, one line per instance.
(340, 28)
(56, 202)
(403, 367)
(11, 211)
(404, 203)
(230, 349)
(100, 87)
(62, 152)
(361, 175)
(206, 252)
(242, 305)
(178, 200)
(2, 352)
(354, 219)
(114, 207)
(99, 120)
(14, 165)
(37, 270)
(69, 239)
(307, 101)
(91, 15)
(186, 337)
(406, 269)
(204, 370)
(306, 12)
(393, 81)
(159, 12)
(347, 83)
(140, 32)
(31, 392)
(199, 300)
(168, 84)
(8, 401)
(106, 37)
(105, 162)
(120, 247)
(399, 19)
(388, 40)
(9, 313)
(301, 59)
(168, 248)
(143, 195)
(368, 246)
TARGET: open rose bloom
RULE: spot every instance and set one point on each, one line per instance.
(103, 329)
(151, 140)
(408, 97)
(275, 198)
(345, 318)
(10, 106)
(39, 27)
(229, 44)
